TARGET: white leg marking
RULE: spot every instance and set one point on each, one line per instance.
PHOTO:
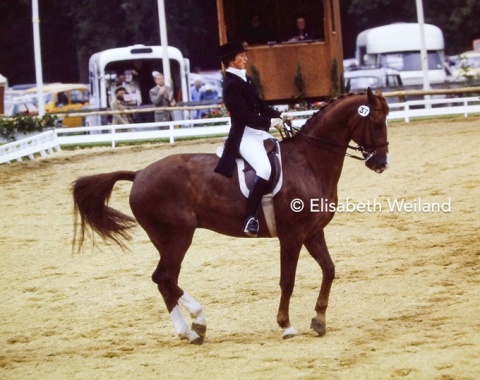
(194, 308)
(179, 322)
(289, 332)
(181, 326)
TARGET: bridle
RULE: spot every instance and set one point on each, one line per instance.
(290, 131)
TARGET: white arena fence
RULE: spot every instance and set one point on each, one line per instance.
(434, 107)
(170, 130)
(43, 144)
(47, 142)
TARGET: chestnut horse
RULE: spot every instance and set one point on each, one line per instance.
(180, 193)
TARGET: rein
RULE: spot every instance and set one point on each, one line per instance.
(291, 131)
(320, 143)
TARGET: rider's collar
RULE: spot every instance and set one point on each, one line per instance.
(238, 72)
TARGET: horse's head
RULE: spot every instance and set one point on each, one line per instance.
(371, 131)
(358, 117)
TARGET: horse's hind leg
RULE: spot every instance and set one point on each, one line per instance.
(172, 251)
(199, 325)
(317, 247)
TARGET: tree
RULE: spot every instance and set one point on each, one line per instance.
(457, 19)
(16, 54)
(104, 25)
(72, 30)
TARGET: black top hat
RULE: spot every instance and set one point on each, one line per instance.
(231, 48)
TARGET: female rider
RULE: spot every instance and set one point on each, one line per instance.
(251, 119)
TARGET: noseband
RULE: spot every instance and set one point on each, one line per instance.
(365, 150)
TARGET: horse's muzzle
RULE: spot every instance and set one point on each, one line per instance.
(377, 162)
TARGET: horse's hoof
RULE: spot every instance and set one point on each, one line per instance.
(201, 330)
(318, 326)
(289, 332)
(198, 341)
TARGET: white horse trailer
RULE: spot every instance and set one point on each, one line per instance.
(138, 63)
(398, 46)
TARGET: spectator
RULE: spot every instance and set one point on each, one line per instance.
(257, 33)
(121, 80)
(207, 93)
(118, 104)
(130, 91)
(142, 75)
(301, 31)
(195, 94)
(162, 96)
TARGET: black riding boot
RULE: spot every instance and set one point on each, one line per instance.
(259, 189)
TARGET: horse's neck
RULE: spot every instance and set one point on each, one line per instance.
(326, 164)
(319, 167)
(335, 126)
(325, 147)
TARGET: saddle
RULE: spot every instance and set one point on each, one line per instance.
(246, 174)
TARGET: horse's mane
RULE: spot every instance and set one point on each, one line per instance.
(326, 106)
(333, 102)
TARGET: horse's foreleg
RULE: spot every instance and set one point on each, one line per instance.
(288, 266)
(317, 247)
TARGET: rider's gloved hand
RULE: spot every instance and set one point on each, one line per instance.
(286, 117)
(276, 123)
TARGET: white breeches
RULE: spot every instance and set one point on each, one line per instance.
(253, 151)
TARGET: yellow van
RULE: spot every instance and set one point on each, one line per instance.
(64, 97)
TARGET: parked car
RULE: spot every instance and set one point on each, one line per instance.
(24, 104)
(13, 92)
(63, 97)
(359, 79)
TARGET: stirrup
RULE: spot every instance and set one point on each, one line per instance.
(251, 227)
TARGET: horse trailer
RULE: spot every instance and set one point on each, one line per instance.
(398, 46)
(134, 67)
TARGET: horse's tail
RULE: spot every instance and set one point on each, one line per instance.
(90, 197)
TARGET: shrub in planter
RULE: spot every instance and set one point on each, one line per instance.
(12, 127)
(212, 114)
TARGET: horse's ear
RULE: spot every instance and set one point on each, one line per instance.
(370, 96)
(378, 92)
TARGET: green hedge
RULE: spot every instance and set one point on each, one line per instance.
(12, 127)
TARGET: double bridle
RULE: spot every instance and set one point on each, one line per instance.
(291, 131)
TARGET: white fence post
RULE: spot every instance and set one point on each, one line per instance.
(171, 127)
